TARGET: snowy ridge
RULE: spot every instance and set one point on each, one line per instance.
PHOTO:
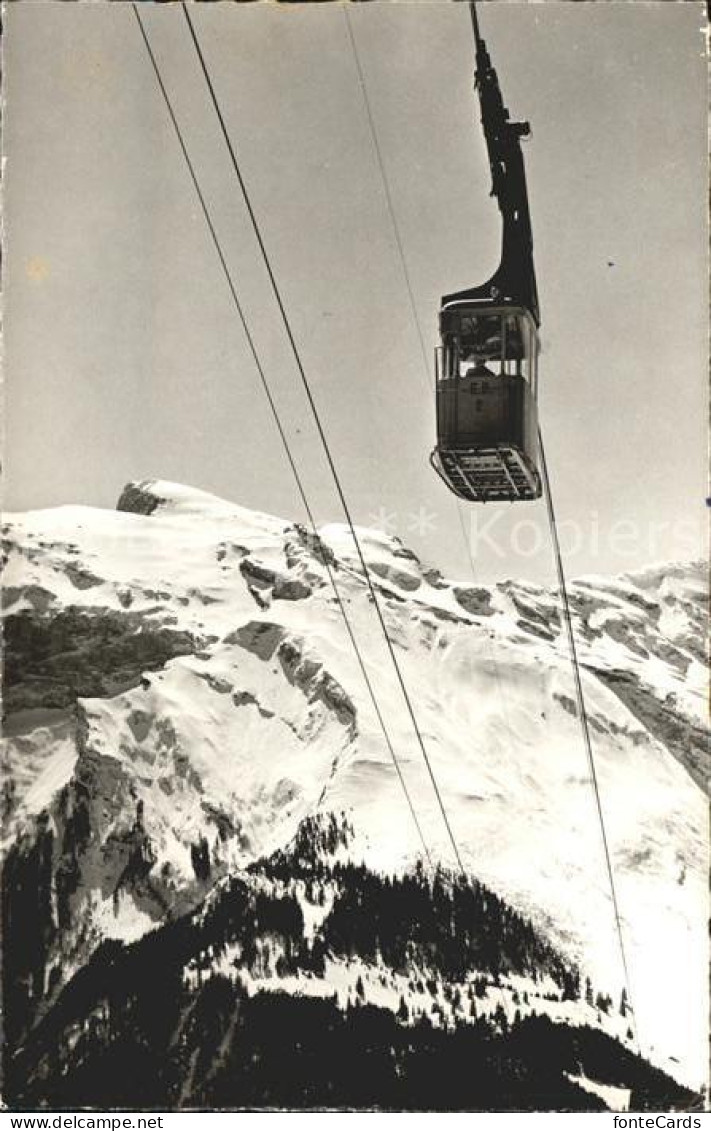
(182, 694)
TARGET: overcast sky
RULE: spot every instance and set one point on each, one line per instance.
(123, 355)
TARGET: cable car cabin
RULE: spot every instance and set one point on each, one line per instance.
(487, 428)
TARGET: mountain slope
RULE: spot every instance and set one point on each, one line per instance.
(304, 981)
(182, 695)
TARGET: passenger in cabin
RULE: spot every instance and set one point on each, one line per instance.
(478, 369)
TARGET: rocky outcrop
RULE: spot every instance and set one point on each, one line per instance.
(139, 498)
(688, 741)
(54, 657)
(474, 600)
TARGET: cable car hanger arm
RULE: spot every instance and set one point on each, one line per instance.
(514, 281)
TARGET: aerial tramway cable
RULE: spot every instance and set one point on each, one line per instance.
(583, 716)
(475, 22)
(397, 235)
(324, 442)
(388, 195)
(517, 270)
(429, 382)
(280, 429)
(547, 491)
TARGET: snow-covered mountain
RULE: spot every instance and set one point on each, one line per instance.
(183, 700)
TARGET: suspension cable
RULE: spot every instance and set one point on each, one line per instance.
(322, 437)
(388, 195)
(549, 501)
(475, 22)
(401, 250)
(280, 429)
(584, 726)
(429, 380)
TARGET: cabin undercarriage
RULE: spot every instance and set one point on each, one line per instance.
(487, 475)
